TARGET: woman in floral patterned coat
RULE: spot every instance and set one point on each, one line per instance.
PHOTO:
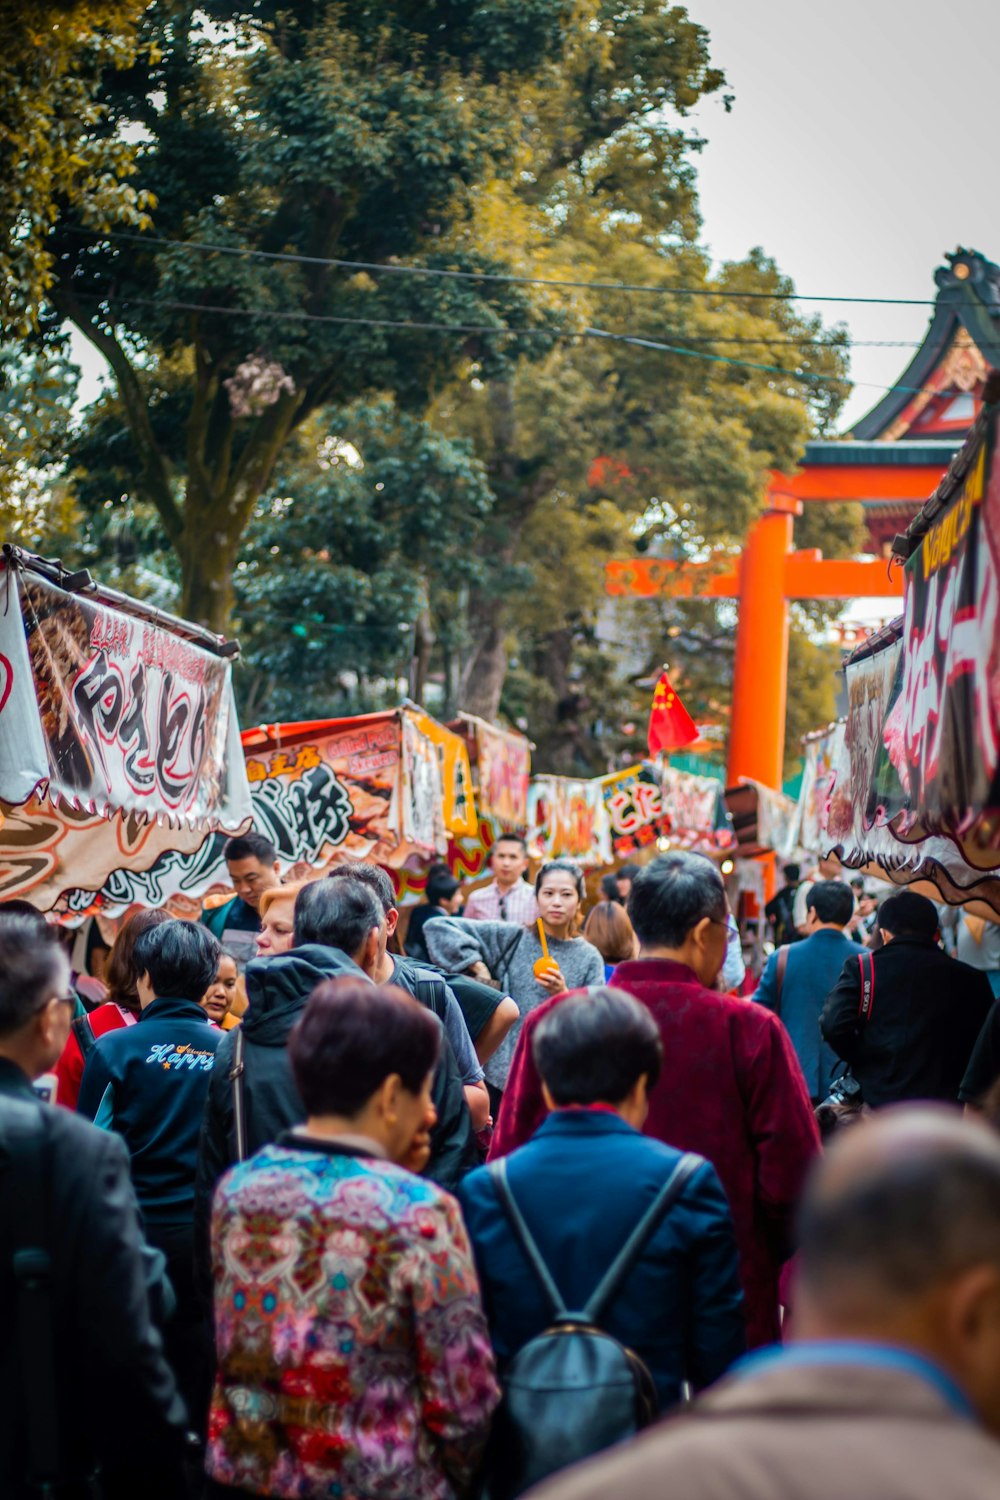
(353, 1355)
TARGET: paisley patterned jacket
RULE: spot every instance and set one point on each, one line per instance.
(353, 1354)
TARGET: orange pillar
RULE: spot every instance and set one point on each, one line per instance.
(760, 674)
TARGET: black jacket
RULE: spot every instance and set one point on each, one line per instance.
(115, 1401)
(926, 1012)
(278, 989)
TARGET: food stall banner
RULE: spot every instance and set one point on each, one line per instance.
(503, 759)
(104, 712)
(368, 787)
(634, 806)
(942, 734)
(858, 824)
(866, 787)
(119, 741)
(696, 811)
(422, 789)
(568, 818)
(822, 760)
(459, 807)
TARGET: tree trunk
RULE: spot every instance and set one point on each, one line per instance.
(207, 563)
(486, 670)
(423, 644)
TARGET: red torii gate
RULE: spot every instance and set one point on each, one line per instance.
(767, 575)
(892, 460)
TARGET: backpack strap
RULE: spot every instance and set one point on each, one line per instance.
(84, 1033)
(867, 999)
(498, 1172)
(237, 1079)
(32, 1266)
(429, 990)
(624, 1262)
(779, 978)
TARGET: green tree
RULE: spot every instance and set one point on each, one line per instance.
(341, 558)
(56, 153)
(37, 507)
(321, 130)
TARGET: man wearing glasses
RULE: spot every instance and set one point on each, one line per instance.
(72, 1283)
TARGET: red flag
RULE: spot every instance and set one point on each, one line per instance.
(670, 725)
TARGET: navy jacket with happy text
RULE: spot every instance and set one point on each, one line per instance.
(148, 1083)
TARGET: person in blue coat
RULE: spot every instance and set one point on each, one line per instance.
(149, 1083)
(584, 1181)
(811, 969)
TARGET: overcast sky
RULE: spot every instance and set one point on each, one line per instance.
(862, 145)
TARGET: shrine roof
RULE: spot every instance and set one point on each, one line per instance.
(962, 340)
(915, 452)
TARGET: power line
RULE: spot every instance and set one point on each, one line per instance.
(151, 242)
(403, 324)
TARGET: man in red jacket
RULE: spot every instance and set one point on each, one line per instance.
(731, 1088)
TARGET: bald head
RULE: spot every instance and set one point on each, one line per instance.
(899, 1240)
(899, 1204)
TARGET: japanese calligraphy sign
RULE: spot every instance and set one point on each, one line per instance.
(327, 788)
(104, 712)
(942, 734)
(635, 811)
(119, 744)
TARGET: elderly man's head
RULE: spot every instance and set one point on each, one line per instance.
(678, 908)
(899, 1243)
(342, 914)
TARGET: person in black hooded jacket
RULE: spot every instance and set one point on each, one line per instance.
(339, 930)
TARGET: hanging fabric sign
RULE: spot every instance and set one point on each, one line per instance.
(567, 817)
(106, 712)
(634, 806)
(119, 743)
(942, 735)
(504, 762)
(423, 789)
(458, 806)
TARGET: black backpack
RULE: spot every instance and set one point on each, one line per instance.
(573, 1390)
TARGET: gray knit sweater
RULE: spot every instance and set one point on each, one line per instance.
(509, 952)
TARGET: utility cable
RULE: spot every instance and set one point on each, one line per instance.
(152, 242)
(607, 335)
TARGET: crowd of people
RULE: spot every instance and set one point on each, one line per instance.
(301, 1201)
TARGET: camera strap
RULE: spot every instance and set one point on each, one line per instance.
(867, 986)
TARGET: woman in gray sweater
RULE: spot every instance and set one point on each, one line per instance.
(510, 952)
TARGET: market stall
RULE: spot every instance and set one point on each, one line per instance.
(119, 740)
(915, 793)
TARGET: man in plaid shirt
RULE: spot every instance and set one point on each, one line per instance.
(509, 898)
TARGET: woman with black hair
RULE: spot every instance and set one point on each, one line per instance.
(527, 969)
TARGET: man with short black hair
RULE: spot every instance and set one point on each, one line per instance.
(509, 897)
(732, 1089)
(779, 910)
(252, 862)
(492, 1013)
(798, 977)
(83, 1379)
(890, 1389)
(906, 1017)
